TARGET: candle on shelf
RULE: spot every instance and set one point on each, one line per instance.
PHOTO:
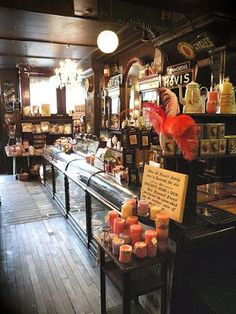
(162, 219)
(111, 236)
(125, 237)
(150, 236)
(133, 203)
(125, 253)
(153, 212)
(126, 210)
(135, 233)
(112, 214)
(116, 243)
(143, 208)
(131, 220)
(140, 249)
(119, 225)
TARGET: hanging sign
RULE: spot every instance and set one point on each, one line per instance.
(177, 74)
(166, 189)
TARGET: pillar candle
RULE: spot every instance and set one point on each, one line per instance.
(126, 210)
(153, 212)
(125, 237)
(213, 95)
(111, 236)
(152, 250)
(143, 208)
(131, 220)
(162, 233)
(140, 249)
(150, 236)
(135, 233)
(133, 203)
(162, 219)
(119, 225)
(125, 253)
(112, 214)
(116, 243)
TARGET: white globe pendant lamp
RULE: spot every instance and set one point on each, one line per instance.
(107, 41)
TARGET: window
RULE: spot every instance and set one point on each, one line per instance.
(75, 95)
(42, 92)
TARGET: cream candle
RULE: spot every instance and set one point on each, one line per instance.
(140, 249)
(143, 208)
(131, 220)
(126, 210)
(116, 243)
(111, 236)
(125, 253)
(150, 236)
(153, 212)
(112, 214)
(119, 225)
(162, 219)
(133, 203)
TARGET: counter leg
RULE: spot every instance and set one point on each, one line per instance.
(164, 289)
(102, 281)
(126, 289)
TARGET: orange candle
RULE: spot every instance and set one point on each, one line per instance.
(126, 210)
(150, 236)
(131, 220)
(116, 243)
(125, 253)
(112, 214)
(133, 203)
(162, 219)
(119, 225)
(135, 230)
(153, 212)
(140, 249)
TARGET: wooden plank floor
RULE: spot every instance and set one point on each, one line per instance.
(44, 266)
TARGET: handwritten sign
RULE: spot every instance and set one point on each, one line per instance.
(166, 189)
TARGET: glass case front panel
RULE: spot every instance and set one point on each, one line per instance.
(77, 204)
(59, 186)
(99, 215)
(80, 170)
(48, 174)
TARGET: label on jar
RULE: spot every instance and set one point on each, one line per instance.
(133, 139)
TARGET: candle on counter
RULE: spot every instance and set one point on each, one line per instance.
(125, 237)
(152, 250)
(112, 214)
(111, 236)
(125, 253)
(116, 243)
(119, 225)
(153, 212)
(162, 247)
(126, 210)
(162, 219)
(131, 220)
(133, 203)
(143, 208)
(162, 233)
(140, 249)
(150, 236)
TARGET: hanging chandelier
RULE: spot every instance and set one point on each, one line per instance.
(67, 74)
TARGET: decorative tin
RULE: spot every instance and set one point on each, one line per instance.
(204, 147)
(220, 130)
(231, 145)
(144, 138)
(222, 146)
(200, 130)
(210, 130)
(214, 146)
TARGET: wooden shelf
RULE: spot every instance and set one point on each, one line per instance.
(142, 281)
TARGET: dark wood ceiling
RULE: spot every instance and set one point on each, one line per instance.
(41, 33)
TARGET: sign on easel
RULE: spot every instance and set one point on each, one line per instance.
(166, 189)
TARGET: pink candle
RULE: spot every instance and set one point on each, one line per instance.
(136, 230)
(126, 210)
(112, 214)
(125, 253)
(143, 208)
(119, 225)
(125, 237)
(140, 249)
(162, 219)
(133, 203)
(150, 236)
(131, 220)
(116, 243)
